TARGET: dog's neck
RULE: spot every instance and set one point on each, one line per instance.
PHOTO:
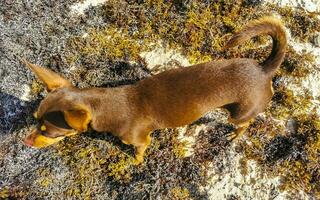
(110, 107)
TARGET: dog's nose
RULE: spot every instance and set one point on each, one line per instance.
(28, 142)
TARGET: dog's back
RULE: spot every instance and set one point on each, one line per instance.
(190, 92)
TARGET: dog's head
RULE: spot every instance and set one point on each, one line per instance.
(61, 113)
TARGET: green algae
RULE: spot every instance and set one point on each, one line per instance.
(36, 87)
(180, 193)
(4, 192)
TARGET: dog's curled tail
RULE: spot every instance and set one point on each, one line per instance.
(270, 26)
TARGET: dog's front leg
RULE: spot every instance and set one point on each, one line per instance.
(141, 147)
(140, 138)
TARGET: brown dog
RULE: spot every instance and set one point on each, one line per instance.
(170, 99)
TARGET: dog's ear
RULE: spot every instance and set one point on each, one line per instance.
(78, 117)
(76, 113)
(51, 79)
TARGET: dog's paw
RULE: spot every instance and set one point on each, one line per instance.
(138, 160)
(232, 137)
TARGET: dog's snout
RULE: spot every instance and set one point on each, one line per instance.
(28, 142)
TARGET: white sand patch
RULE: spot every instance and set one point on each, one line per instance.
(79, 8)
(189, 141)
(306, 48)
(308, 5)
(26, 93)
(161, 58)
(311, 82)
(85, 35)
(252, 185)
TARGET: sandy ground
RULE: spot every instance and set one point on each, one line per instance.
(39, 30)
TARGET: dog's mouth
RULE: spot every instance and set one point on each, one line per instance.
(37, 140)
(51, 129)
(54, 125)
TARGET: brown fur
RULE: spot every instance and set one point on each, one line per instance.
(173, 98)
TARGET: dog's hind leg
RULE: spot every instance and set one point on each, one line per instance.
(241, 115)
(241, 129)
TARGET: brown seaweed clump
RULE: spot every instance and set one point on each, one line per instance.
(99, 166)
(199, 30)
(291, 152)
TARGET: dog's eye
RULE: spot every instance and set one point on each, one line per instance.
(44, 133)
(43, 128)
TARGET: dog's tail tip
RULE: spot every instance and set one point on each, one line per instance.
(269, 25)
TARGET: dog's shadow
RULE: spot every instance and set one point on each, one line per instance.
(115, 141)
(15, 113)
